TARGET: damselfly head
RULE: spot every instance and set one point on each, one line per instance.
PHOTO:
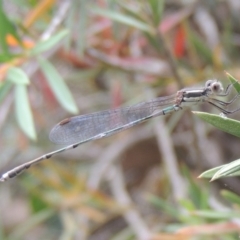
(214, 86)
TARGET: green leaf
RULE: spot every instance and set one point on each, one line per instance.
(116, 16)
(231, 197)
(225, 124)
(131, 11)
(4, 89)
(7, 27)
(162, 205)
(58, 86)
(154, 42)
(157, 10)
(216, 214)
(187, 204)
(210, 173)
(196, 194)
(43, 46)
(23, 111)
(227, 170)
(37, 203)
(17, 76)
(5, 57)
(200, 47)
(234, 81)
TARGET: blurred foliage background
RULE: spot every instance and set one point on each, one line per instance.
(63, 58)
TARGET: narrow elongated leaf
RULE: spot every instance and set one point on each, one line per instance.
(225, 124)
(210, 214)
(200, 47)
(17, 76)
(227, 170)
(23, 111)
(162, 205)
(130, 11)
(157, 9)
(43, 46)
(234, 81)
(7, 28)
(58, 86)
(4, 89)
(230, 196)
(211, 172)
(116, 16)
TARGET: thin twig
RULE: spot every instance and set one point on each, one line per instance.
(32, 66)
(132, 216)
(171, 60)
(170, 159)
(57, 20)
(112, 153)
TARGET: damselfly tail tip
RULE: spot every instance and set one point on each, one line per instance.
(4, 177)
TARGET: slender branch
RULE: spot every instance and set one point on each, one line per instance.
(170, 159)
(112, 154)
(131, 215)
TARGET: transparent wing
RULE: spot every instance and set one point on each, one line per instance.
(83, 127)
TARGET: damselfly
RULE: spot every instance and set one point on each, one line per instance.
(84, 128)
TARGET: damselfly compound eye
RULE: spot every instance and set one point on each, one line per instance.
(216, 87)
(209, 83)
